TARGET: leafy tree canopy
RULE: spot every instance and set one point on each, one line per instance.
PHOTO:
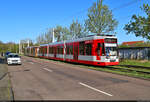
(76, 30)
(100, 19)
(140, 25)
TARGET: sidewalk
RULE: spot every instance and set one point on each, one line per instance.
(5, 84)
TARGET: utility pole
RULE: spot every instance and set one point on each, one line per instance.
(53, 40)
(28, 43)
(16, 48)
(19, 46)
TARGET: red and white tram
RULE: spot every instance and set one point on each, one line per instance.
(92, 50)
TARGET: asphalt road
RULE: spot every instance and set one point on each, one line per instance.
(38, 79)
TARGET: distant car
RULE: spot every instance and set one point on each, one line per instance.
(13, 58)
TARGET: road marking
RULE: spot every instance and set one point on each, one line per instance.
(31, 62)
(47, 69)
(95, 89)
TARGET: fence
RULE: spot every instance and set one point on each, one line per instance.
(138, 53)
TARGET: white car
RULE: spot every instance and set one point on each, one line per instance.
(13, 59)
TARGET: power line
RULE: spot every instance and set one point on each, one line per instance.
(125, 5)
(114, 9)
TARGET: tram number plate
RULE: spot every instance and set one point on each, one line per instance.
(112, 60)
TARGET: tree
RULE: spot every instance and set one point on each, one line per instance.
(140, 25)
(76, 30)
(49, 35)
(57, 32)
(41, 39)
(100, 19)
(10, 46)
(61, 33)
(65, 34)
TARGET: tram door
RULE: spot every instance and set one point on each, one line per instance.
(76, 49)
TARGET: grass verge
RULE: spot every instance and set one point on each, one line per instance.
(142, 63)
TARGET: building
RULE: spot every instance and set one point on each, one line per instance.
(137, 53)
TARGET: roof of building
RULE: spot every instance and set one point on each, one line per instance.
(127, 48)
(132, 42)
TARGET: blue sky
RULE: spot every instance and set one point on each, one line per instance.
(20, 19)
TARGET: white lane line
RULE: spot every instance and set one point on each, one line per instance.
(31, 62)
(47, 69)
(95, 89)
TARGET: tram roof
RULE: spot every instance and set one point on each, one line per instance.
(81, 39)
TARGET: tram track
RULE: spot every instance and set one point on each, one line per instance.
(133, 66)
(128, 70)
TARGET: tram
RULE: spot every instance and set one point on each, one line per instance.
(99, 50)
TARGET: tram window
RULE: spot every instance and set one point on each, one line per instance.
(81, 48)
(33, 51)
(61, 50)
(40, 50)
(67, 47)
(88, 48)
(103, 49)
(98, 49)
(50, 50)
(71, 49)
(57, 50)
(45, 50)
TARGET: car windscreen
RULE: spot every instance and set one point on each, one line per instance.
(16, 56)
(10, 56)
(13, 56)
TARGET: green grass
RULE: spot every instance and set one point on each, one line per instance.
(5, 85)
(136, 63)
